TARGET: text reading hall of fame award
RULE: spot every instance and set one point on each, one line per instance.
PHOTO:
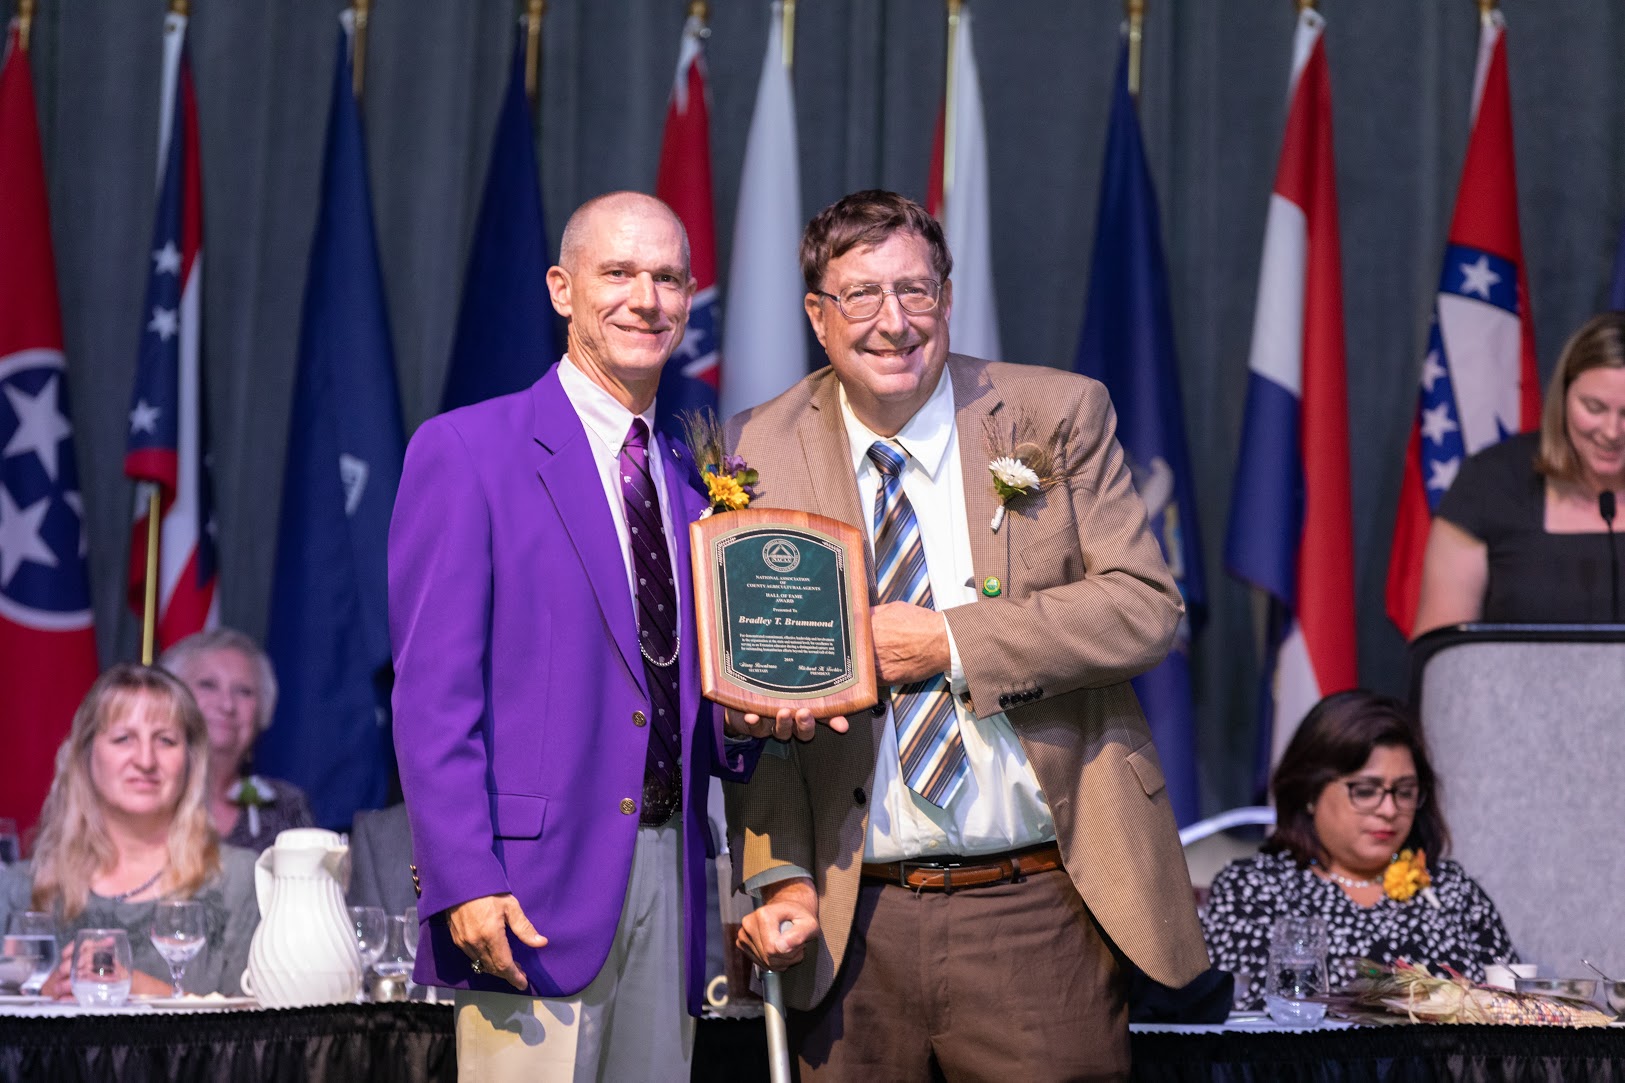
(782, 603)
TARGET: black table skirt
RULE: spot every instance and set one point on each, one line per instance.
(414, 1043)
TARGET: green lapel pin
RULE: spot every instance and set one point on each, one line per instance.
(991, 586)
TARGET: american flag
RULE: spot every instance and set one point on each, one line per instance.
(692, 377)
(1478, 383)
(167, 446)
(47, 640)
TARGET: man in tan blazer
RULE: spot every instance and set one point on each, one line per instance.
(949, 884)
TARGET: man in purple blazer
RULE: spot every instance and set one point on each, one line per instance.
(554, 748)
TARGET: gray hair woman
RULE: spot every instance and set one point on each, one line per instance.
(233, 682)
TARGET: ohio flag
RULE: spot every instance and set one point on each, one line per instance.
(691, 378)
(47, 640)
(1479, 384)
(167, 448)
(1291, 522)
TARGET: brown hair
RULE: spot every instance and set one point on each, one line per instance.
(863, 220)
(1598, 344)
(1335, 739)
(74, 844)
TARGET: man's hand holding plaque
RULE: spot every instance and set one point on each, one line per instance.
(781, 601)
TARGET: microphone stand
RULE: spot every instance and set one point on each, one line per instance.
(1606, 508)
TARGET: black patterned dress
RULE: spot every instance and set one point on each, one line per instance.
(1463, 931)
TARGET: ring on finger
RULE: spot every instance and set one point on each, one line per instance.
(474, 965)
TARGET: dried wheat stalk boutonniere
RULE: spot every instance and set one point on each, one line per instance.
(729, 484)
(1022, 464)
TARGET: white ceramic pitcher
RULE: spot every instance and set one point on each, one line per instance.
(304, 951)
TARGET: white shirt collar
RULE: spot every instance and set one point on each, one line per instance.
(925, 436)
(599, 411)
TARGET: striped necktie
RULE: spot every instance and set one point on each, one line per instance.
(928, 740)
(656, 597)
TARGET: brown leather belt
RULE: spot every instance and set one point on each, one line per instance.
(951, 874)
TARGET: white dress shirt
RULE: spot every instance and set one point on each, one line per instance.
(999, 806)
(607, 423)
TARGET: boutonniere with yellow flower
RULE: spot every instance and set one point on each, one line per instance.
(1023, 465)
(730, 484)
(1407, 875)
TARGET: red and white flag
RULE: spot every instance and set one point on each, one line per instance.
(167, 447)
(1291, 520)
(1479, 382)
(47, 638)
(961, 205)
(683, 182)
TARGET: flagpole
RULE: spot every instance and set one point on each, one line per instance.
(789, 33)
(179, 7)
(1486, 10)
(1135, 10)
(358, 53)
(25, 22)
(533, 48)
(955, 7)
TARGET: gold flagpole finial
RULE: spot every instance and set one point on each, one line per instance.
(1306, 5)
(699, 9)
(25, 23)
(180, 7)
(1486, 9)
(534, 11)
(790, 33)
(1135, 10)
(358, 55)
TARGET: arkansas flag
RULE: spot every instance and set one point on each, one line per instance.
(691, 379)
(1291, 522)
(47, 641)
(166, 447)
(1479, 384)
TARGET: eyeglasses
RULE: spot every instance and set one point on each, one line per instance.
(863, 301)
(1366, 795)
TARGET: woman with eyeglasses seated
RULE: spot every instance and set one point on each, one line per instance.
(126, 825)
(1360, 841)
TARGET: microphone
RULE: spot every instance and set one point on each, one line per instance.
(1606, 508)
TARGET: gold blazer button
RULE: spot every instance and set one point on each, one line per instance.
(628, 805)
(639, 718)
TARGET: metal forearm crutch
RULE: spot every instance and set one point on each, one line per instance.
(778, 1038)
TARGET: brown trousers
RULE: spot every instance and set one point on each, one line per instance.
(998, 983)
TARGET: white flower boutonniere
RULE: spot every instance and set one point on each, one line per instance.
(1024, 466)
(1011, 478)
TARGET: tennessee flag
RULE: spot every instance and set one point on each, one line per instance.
(1291, 520)
(47, 640)
(1479, 384)
(692, 377)
(166, 446)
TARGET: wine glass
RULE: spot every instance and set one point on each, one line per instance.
(178, 932)
(32, 933)
(394, 962)
(371, 926)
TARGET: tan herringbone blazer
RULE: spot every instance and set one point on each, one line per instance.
(1087, 604)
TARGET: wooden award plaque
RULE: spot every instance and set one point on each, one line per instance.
(781, 600)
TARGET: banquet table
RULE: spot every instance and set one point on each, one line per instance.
(413, 1042)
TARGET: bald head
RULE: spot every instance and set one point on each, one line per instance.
(579, 228)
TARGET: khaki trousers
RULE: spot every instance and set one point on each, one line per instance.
(998, 983)
(630, 1023)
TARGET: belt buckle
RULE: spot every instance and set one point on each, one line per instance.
(944, 867)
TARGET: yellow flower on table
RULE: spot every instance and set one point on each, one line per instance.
(1406, 875)
(725, 491)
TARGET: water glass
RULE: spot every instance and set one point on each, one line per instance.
(371, 927)
(32, 933)
(11, 848)
(394, 963)
(178, 932)
(100, 970)
(1297, 971)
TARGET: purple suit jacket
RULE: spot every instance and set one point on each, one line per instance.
(517, 677)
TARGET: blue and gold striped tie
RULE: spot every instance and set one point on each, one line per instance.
(928, 741)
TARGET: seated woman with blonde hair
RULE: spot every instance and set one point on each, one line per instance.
(125, 825)
(1360, 840)
(1521, 535)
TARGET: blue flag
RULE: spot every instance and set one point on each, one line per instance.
(1616, 289)
(506, 334)
(329, 635)
(1128, 344)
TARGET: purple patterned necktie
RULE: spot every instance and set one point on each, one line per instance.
(656, 597)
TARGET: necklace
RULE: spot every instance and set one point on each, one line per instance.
(134, 891)
(653, 661)
(1349, 881)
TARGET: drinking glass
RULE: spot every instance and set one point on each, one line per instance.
(11, 849)
(178, 932)
(32, 933)
(1297, 971)
(100, 971)
(394, 963)
(371, 926)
